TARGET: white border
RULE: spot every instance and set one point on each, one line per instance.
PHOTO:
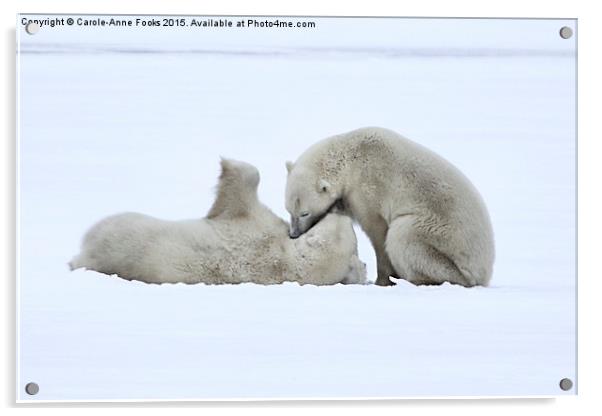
(18, 211)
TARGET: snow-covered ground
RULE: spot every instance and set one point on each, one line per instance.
(104, 131)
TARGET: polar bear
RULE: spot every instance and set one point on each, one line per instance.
(426, 221)
(239, 241)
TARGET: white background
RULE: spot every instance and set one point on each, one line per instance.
(587, 159)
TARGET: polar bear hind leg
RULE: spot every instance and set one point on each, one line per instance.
(417, 261)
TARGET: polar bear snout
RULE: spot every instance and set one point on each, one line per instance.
(304, 222)
(294, 230)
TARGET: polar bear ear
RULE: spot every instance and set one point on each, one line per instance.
(289, 166)
(324, 185)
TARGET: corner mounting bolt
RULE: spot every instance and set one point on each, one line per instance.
(32, 28)
(32, 389)
(566, 32)
(566, 384)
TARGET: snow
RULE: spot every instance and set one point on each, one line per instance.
(103, 131)
(119, 340)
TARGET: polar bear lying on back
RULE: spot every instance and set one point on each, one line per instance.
(239, 241)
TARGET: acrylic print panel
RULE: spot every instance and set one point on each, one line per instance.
(133, 115)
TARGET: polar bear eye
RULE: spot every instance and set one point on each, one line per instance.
(304, 214)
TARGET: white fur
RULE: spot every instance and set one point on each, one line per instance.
(239, 241)
(426, 221)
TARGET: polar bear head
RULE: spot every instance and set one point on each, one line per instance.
(309, 197)
(335, 236)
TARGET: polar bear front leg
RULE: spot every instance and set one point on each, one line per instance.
(377, 233)
(384, 268)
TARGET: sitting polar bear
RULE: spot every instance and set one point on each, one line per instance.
(426, 221)
(239, 241)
